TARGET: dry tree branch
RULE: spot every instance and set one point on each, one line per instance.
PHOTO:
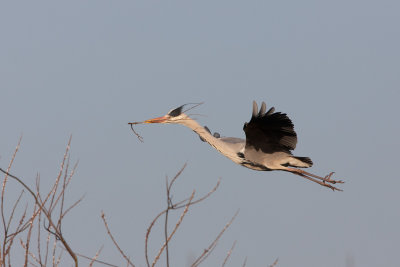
(13, 210)
(113, 240)
(275, 263)
(244, 263)
(172, 206)
(5, 181)
(179, 205)
(169, 205)
(57, 262)
(10, 238)
(28, 239)
(71, 207)
(206, 252)
(95, 256)
(3, 252)
(229, 254)
(57, 233)
(55, 186)
(95, 260)
(30, 254)
(175, 228)
(41, 204)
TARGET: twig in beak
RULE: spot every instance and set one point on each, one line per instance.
(138, 136)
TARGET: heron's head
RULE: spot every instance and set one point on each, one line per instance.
(173, 116)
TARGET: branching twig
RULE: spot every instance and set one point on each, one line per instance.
(205, 253)
(172, 206)
(95, 260)
(173, 232)
(95, 256)
(47, 212)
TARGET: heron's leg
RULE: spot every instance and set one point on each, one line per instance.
(307, 175)
(325, 179)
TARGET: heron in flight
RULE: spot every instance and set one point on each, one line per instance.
(270, 138)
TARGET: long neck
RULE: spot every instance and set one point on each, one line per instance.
(219, 145)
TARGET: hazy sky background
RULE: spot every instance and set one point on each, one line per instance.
(87, 68)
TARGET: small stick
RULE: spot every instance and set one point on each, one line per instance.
(138, 136)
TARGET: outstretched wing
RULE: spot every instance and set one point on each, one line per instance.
(269, 131)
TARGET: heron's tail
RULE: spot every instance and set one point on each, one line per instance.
(300, 162)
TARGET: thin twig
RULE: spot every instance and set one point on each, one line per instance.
(166, 221)
(244, 263)
(229, 254)
(179, 204)
(41, 204)
(10, 239)
(98, 261)
(176, 227)
(28, 239)
(113, 240)
(146, 242)
(275, 263)
(30, 253)
(133, 130)
(175, 206)
(55, 186)
(13, 210)
(95, 256)
(175, 177)
(202, 257)
(3, 192)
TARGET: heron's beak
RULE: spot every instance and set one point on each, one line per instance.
(157, 120)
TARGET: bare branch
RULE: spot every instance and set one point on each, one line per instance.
(179, 204)
(95, 257)
(95, 260)
(229, 254)
(174, 179)
(203, 256)
(275, 263)
(40, 203)
(71, 207)
(113, 240)
(4, 187)
(172, 206)
(13, 210)
(244, 263)
(30, 253)
(173, 232)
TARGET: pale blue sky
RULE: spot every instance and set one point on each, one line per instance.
(87, 68)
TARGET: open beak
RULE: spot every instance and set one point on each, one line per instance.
(157, 120)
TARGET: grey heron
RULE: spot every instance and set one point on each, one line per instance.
(270, 138)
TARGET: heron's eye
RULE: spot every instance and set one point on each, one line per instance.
(245, 125)
(176, 112)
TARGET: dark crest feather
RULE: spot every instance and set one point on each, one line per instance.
(176, 112)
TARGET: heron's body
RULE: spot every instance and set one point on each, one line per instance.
(270, 138)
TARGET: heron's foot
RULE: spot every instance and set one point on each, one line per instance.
(328, 179)
(331, 187)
